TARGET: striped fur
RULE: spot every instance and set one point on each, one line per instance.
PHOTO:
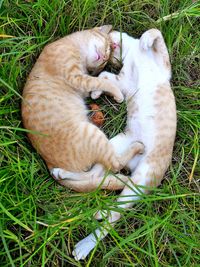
(53, 103)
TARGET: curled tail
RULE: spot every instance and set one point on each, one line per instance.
(142, 176)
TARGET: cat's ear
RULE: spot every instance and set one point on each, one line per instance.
(105, 28)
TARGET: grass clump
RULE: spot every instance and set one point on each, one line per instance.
(41, 221)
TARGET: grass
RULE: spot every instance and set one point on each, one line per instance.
(41, 221)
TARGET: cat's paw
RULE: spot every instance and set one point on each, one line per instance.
(83, 247)
(111, 216)
(119, 97)
(60, 174)
(56, 172)
(148, 38)
(104, 75)
(101, 214)
(137, 147)
(96, 94)
(146, 41)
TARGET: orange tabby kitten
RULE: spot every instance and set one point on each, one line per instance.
(53, 103)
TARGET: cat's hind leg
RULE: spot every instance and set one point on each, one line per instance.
(96, 177)
(100, 150)
(87, 182)
(61, 174)
(134, 149)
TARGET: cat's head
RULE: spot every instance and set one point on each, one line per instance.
(118, 50)
(98, 48)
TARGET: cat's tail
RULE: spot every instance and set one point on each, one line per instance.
(132, 191)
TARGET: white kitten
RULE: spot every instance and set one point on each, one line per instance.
(144, 80)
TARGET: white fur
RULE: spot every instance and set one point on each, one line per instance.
(139, 78)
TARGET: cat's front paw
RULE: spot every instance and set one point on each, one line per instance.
(96, 94)
(112, 85)
(119, 98)
(104, 75)
(147, 39)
